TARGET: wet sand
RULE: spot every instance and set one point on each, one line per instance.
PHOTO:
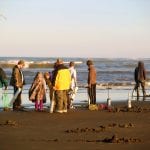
(80, 128)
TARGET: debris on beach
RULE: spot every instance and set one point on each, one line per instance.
(83, 130)
(126, 125)
(9, 123)
(137, 109)
(116, 139)
(101, 128)
(45, 140)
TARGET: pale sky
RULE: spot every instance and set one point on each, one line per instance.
(75, 28)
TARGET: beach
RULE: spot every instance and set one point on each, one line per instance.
(115, 128)
(80, 128)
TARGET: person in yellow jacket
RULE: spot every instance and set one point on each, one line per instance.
(61, 80)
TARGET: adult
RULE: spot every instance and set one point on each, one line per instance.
(140, 78)
(91, 81)
(61, 83)
(17, 81)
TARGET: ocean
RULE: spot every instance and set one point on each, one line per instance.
(117, 73)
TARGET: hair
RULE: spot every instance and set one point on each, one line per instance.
(46, 74)
(71, 64)
(21, 62)
(37, 75)
(141, 64)
(89, 62)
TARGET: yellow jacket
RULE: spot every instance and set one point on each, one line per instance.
(63, 79)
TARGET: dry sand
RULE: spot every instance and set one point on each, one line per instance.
(77, 129)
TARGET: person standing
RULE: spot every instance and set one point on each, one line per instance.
(37, 91)
(140, 78)
(73, 86)
(17, 81)
(61, 80)
(91, 82)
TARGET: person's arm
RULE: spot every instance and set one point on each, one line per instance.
(135, 75)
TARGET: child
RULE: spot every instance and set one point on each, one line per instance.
(37, 92)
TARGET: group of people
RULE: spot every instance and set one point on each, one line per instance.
(58, 82)
(62, 85)
(61, 82)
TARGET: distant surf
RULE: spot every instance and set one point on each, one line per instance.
(114, 72)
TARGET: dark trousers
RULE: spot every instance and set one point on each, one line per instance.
(61, 100)
(17, 102)
(92, 94)
(137, 86)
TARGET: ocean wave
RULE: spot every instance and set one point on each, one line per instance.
(118, 85)
(32, 64)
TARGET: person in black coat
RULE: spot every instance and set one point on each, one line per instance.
(140, 78)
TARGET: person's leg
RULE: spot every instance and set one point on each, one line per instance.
(15, 102)
(90, 94)
(52, 101)
(18, 99)
(41, 104)
(36, 105)
(92, 98)
(69, 99)
(94, 93)
(143, 90)
(65, 97)
(59, 101)
(137, 89)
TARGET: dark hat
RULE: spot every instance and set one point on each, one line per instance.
(89, 62)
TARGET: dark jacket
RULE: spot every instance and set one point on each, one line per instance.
(3, 79)
(17, 77)
(140, 72)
